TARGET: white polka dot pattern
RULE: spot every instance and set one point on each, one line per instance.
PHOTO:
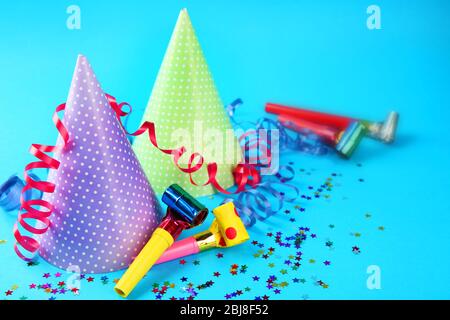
(183, 101)
(104, 208)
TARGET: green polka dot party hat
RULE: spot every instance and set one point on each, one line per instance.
(187, 111)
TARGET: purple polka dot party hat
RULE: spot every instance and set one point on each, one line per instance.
(104, 207)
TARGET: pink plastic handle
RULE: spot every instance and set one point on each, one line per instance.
(180, 249)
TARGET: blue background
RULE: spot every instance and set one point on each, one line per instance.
(312, 53)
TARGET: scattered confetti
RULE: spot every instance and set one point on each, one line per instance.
(356, 250)
(277, 260)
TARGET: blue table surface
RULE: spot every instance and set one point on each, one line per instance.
(391, 201)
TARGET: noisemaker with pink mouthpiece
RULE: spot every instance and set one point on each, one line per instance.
(226, 230)
(183, 212)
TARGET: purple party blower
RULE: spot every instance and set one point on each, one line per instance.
(104, 207)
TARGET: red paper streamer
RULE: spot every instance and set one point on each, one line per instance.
(27, 207)
(244, 174)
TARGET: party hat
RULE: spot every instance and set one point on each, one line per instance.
(187, 111)
(104, 208)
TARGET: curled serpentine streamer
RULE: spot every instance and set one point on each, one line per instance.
(37, 210)
(258, 203)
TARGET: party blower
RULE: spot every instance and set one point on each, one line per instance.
(343, 141)
(382, 131)
(183, 212)
(227, 230)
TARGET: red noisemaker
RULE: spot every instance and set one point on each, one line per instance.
(331, 120)
(343, 134)
(328, 134)
(383, 131)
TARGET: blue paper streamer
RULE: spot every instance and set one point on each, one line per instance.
(11, 190)
(300, 139)
(256, 204)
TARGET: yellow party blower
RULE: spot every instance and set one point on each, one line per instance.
(183, 212)
(227, 230)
